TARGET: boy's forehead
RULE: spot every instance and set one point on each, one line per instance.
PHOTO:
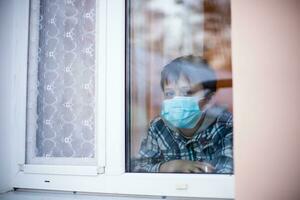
(182, 82)
(175, 82)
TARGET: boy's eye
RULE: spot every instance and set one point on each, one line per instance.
(169, 94)
(183, 93)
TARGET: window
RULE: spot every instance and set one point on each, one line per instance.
(179, 96)
(61, 83)
(65, 83)
(99, 75)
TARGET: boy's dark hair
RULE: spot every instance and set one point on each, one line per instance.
(193, 68)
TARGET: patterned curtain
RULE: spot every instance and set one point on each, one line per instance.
(61, 82)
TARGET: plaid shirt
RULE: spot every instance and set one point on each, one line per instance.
(211, 143)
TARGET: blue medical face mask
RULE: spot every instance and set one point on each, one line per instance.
(181, 112)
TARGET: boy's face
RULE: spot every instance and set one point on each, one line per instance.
(183, 87)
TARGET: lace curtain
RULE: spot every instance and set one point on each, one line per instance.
(61, 82)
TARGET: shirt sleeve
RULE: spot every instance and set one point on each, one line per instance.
(150, 156)
(224, 158)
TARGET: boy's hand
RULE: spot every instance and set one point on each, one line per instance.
(186, 166)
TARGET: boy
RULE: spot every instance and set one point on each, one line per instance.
(190, 135)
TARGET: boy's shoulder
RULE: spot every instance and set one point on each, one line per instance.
(218, 116)
(225, 118)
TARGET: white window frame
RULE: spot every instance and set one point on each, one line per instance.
(110, 128)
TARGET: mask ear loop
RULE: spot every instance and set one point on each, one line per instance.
(206, 97)
(200, 98)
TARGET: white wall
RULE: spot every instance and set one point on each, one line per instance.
(6, 81)
(266, 68)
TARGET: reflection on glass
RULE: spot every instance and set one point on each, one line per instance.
(179, 97)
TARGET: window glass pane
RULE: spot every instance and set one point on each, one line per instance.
(61, 82)
(179, 87)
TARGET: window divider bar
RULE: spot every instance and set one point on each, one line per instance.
(115, 94)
